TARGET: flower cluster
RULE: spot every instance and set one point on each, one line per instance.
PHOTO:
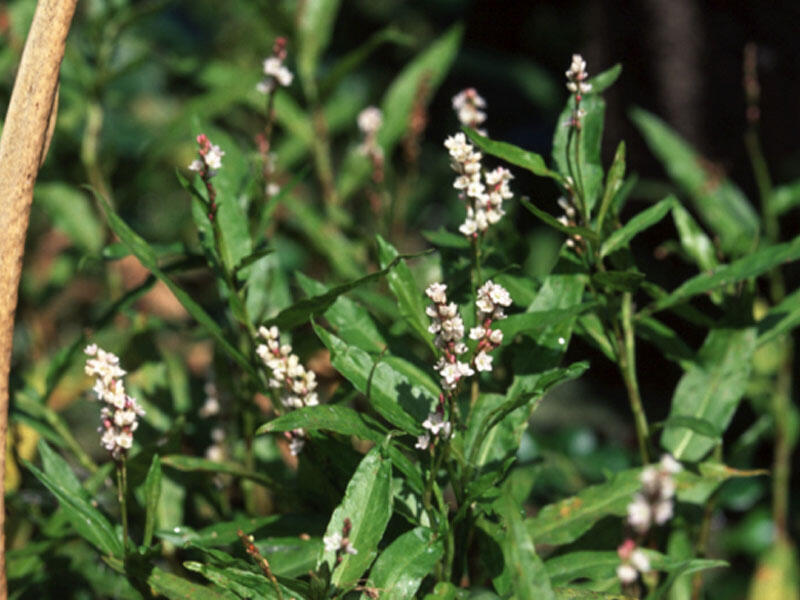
(340, 542)
(449, 329)
(634, 561)
(274, 70)
(569, 218)
(119, 418)
(654, 502)
(468, 104)
(369, 122)
(210, 160)
(576, 83)
(484, 195)
(492, 298)
(437, 426)
(296, 385)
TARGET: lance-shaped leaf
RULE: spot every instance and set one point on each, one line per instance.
(367, 503)
(339, 419)
(550, 220)
(529, 578)
(204, 465)
(88, 522)
(646, 218)
(614, 181)
(710, 390)
(567, 520)
(719, 202)
(784, 197)
(401, 568)
(387, 390)
(173, 587)
(512, 154)
(300, 312)
(446, 239)
(694, 240)
(749, 266)
(147, 257)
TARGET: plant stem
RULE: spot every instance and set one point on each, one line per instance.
(627, 365)
(122, 488)
(781, 466)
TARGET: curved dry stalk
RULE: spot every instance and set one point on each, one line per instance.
(26, 135)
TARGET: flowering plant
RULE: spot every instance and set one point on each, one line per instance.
(400, 432)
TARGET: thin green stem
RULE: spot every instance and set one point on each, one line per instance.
(122, 488)
(782, 460)
(627, 365)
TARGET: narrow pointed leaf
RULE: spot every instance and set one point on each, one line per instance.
(152, 495)
(315, 23)
(781, 319)
(512, 154)
(694, 240)
(204, 465)
(550, 220)
(367, 503)
(339, 419)
(643, 220)
(719, 202)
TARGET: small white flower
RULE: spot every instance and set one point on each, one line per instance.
(370, 120)
(332, 542)
(662, 511)
(627, 573)
(640, 561)
(670, 465)
(423, 441)
(640, 514)
(196, 165)
(477, 333)
(483, 362)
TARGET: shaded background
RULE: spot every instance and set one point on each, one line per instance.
(681, 60)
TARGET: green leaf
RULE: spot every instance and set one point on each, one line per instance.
(446, 239)
(550, 220)
(315, 20)
(424, 74)
(177, 588)
(145, 254)
(512, 154)
(781, 319)
(722, 206)
(300, 312)
(643, 220)
(219, 534)
(666, 340)
(777, 576)
(585, 564)
(676, 569)
(699, 426)
(88, 522)
(694, 240)
(614, 181)
(367, 503)
(528, 575)
(410, 299)
(749, 266)
(620, 281)
(604, 80)
(353, 323)
(336, 418)
(152, 494)
(203, 465)
(401, 568)
(71, 212)
(582, 594)
(784, 198)
(710, 390)
(387, 390)
(240, 580)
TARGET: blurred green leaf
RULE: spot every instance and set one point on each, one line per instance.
(315, 21)
(614, 181)
(719, 202)
(666, 340)
(620, 281)
(367, 503)
(512, 154)
(784, 198)
(605, 79)
(643, 220)
(147, 257)
(177, 588)
(781, 319)
(446, 239)
(701, 427)
(152, 494)
(403, 565)
(749, 266)
(777, 575)
(71, 212)
(711, 390)
(194, 463)
(585, 564)
(88, 522)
